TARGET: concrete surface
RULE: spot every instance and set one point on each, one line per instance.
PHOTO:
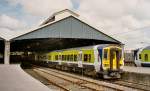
(13, 78)
(142, 70)
(139, 75)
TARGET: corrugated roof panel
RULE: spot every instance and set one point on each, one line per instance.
(69, 27)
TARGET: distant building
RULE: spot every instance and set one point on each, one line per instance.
(129, 57)
(60, 15)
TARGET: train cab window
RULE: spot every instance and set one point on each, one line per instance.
(89, 57)
(105, 53)
(85, 57)
(75, 57)
(139, 56)
(146, 57)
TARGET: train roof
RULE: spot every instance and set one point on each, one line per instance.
(86, 47)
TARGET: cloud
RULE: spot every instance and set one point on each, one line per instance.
(10, 27)
(33, 12)
(44, 7)
(119, 18)
(10, 23)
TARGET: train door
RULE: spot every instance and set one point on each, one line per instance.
(59, 58)
(114, 59)
(80, 59)
(136, 57)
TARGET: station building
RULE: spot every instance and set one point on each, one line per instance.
(64, 29)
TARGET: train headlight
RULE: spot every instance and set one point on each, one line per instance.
(121, 66)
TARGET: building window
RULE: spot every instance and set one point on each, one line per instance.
(146, 57)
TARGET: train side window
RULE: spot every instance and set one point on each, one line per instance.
(71, 57)
(105, 53)
(85, 57)
(63, 57)
(56, 57)
(60, 57)
(49, 57)
(146, 57)
(139, 56)
(67, 57)
(75, 57)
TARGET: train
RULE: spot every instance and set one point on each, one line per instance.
(106, 60)
(142, 57)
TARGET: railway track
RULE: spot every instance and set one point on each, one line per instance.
(142, 87)
(82, 82)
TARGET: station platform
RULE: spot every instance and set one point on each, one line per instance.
(140, 70)
(137, 74)
(13, 78)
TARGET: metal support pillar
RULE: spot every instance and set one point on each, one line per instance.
(7, 52)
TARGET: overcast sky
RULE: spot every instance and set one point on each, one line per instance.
(125, 20)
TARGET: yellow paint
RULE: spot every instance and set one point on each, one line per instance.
(106, 62)
(114, 61)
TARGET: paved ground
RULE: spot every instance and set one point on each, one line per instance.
(13, 78)
(142, 70)
(140, 75)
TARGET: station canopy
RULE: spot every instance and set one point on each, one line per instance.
(64, 29)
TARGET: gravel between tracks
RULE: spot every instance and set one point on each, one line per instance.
(85, 81)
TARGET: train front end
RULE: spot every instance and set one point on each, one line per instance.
(112, 61)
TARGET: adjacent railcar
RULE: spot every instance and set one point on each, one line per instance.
(106, 60)
(142, 57)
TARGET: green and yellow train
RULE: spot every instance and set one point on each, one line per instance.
(142, 57)
(105, 59)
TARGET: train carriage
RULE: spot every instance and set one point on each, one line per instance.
(142, 57)
(105, 59)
